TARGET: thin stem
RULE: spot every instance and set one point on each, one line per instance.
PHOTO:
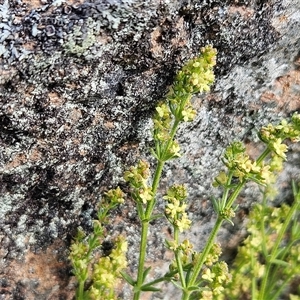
(253, 282)
(227, 189)
(143, 246)
(148, 213)
(235, 193)
(262, 227)
(156, 179)
(266, 152)
(177, 253)
(274, 252)
(280, 289)
(158, 171)
(201, 259)
(166, 277)
(81, 290)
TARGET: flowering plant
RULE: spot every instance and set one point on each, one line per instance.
(198, 275)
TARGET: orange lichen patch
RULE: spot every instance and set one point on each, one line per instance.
(32, 4)
(284, 18)
(181, 37)
(253, 149)
(75, 115)
(83, 152)
(71, 85)
(35, 155)
(55, 100)
(286, 92)
(70, 2)
(128, 146)
(103, 39)
(156, 48)
(244, 11)
(29, 46)
(42, 275)
(99, 167)
(109, 125)
(78, 140)
(98, 116)
(7, 74)
(17, 160)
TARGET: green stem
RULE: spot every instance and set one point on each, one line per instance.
(178, 258)
(262, 227)
(148, 213)
(227, 189)
(266, 152)
(158, 171)
(143, 245)
(80, 290)
(274, 252)
(166, 277)
(235, 193)
(201, 259)
(280, 289)
(253, 282)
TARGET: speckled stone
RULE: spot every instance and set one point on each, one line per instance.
(78, 83)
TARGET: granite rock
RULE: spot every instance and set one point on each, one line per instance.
(78, 83)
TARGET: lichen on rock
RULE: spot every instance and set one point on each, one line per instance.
(79, 80)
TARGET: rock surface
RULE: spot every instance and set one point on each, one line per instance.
(78, 83)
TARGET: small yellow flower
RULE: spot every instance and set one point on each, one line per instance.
(186, 246)
(188, 114)
(174, 149)
(163, 110)
(208, 275)
(183, 223)
(145, 194)
(280, 148)
(207, 295)
(172, 245)
(173, 208)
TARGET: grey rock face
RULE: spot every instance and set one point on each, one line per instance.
(80, 79)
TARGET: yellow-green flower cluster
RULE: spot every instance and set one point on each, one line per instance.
(291, 130)
(176, 206)
(294, 262)
(264, 228)
(274, 136)
(216, 279)
(115, 196)
(110, 200)
(213, 255)
(79, 258)
(186, 253)
(106, 273)
(138, 179)
(162, 121)
(197, 75)
(236, 160)
(165, 148)
(83, 248)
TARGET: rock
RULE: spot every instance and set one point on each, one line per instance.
(79, 82)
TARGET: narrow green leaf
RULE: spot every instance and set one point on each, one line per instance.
(193, 288)
(177, 285)
(146, 272)
(128, 278)
(155, 155)
(156, 217)
(149, 288)
(279, 262)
